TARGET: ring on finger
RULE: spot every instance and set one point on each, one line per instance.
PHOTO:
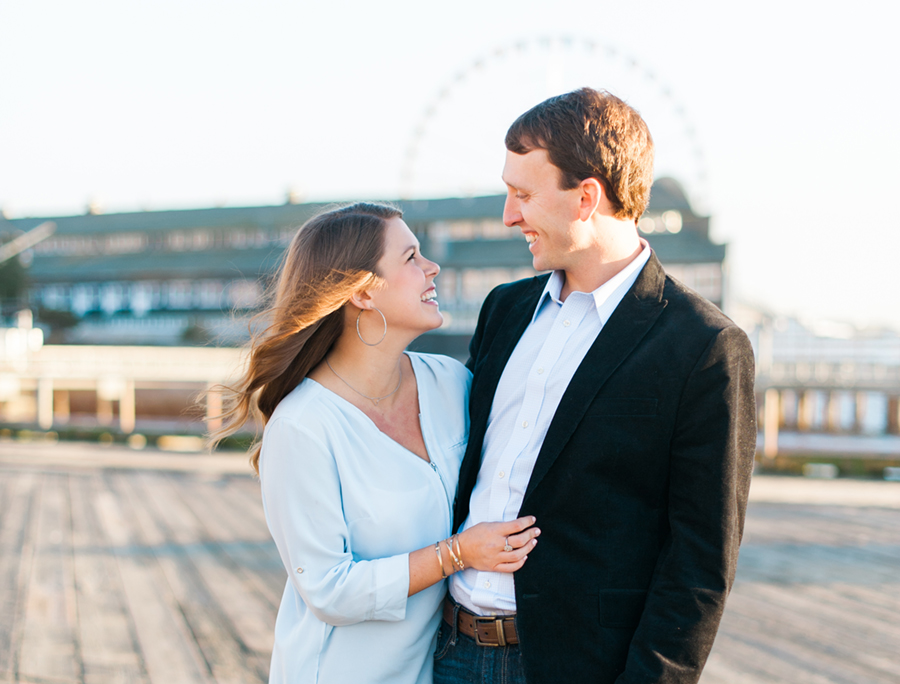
(507, 548)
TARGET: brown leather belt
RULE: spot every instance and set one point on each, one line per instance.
(489, 630)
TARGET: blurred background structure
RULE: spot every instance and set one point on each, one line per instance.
(118, 322)
(196, 276)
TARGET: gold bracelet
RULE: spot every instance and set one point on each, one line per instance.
(453, 558)
(456, 561)
(459, 551)
(437, 550)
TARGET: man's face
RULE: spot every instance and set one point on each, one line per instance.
(547, 215)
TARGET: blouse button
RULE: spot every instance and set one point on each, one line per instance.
(566, 323)
(299, 571)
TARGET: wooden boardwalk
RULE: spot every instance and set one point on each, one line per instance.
(113, 573)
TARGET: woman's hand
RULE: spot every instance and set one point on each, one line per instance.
(482, 546)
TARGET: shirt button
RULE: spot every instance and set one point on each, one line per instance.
(540, 370)
(501, 474)
(524, 423)
(487, 585)
(299, 571)
(566, 323)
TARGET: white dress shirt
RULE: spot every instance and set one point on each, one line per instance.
(528, 394)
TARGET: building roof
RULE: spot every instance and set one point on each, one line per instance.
(229, 264)
(666, 194)
(690, 246)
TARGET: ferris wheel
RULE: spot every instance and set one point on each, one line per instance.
(456, 145)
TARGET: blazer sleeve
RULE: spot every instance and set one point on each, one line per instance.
(302, 500)
(711, 460)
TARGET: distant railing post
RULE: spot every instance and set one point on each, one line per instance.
(127, 408)
(61, 406)
(805, 410)
(45, 403)
(772, 413)
(104, 411)
(833, 412)
(213, 409)
(893, 419)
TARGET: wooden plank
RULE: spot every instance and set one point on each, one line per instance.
(804, 606)
(109, 645)
(874, 600)
(50, 648)
(16, 556)
(829, 638)
(165, 640)
(266, 566)
(240, 534)
(788, 647)
(739, 658)
(175, 579)
(249, 611)
(226, 655)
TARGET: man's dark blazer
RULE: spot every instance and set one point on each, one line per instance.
(639, 489)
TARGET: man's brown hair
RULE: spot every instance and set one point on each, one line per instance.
(592, 134)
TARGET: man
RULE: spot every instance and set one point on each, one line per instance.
(616, 407)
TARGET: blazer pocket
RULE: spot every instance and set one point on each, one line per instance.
(610, 406)
(621, 608)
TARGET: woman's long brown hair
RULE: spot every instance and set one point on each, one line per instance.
(330, 258)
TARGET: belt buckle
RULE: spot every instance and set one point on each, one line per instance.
(498, 626)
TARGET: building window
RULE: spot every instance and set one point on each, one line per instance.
(488, 229)
(446, 286)
(84, 298)
(211, 294)
(56, 297)
(477, 283)
(180, 294)
(124, 243)
(112, 297)
(705, 279)
(176, 241)
(244, 294)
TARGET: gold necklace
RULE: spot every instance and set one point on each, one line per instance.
(374, 400)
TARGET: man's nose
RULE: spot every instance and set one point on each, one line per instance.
(511, 213)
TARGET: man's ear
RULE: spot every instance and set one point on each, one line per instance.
(592, 196)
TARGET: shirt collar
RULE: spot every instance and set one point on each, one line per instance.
(607, 296)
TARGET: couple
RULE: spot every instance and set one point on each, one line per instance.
(582, 482)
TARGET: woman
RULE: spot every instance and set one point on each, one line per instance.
(360, 454)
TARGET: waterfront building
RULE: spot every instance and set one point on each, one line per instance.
(196, 276)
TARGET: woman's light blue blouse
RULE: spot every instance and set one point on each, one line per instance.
(346, 505)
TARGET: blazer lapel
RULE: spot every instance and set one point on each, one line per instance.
(630, 322)
(500, 348)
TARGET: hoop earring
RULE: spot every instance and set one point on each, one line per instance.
(371, 344)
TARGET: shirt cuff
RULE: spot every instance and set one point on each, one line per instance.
(391, 587)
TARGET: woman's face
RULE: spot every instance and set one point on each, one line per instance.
(409, 299)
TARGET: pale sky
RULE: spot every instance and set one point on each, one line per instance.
(193, 103)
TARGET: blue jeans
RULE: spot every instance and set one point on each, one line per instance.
(459, 660)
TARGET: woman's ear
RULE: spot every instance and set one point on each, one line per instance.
(361, 300)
